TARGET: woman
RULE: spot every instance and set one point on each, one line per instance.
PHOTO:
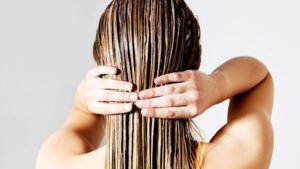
(148, 55)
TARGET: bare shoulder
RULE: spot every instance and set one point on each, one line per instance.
(246, 141)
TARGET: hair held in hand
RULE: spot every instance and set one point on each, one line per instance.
(146, 39)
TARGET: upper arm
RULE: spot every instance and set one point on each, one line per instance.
(246, 141)
(80, 138)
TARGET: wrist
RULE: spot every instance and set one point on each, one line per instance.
(78, 104)
(219, 83)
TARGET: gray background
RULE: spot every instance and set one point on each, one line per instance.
(46, 49)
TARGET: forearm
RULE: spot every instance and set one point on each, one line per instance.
(237, 76)
(249, 85)
(90, 126)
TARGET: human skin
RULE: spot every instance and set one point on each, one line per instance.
(246, 138)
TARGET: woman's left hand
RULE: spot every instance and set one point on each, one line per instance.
(189, 95)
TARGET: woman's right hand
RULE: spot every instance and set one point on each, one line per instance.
(94, 91)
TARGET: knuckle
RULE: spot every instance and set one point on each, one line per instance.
(193, 111)
(179, 75)
(171, 113)
(152, 112)
(104, 97)
(151, 93)
(169, 101)
(125, 96)
(164, 79)
(171, 89)
(176, 76)
(192, 115)
(151, 103)
(193, 84)
(195, 96)
(181, 88)
(190, 73)
(193, 74)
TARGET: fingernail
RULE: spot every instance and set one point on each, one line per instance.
(144, 112)
(128, 107)
(143, 94)
(138, 104)
(115, 71)
(133, 97)
(157, 81)
(128, 86)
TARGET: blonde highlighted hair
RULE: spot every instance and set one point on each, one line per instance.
(146, 39)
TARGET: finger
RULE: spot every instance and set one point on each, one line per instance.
(164, 101)
(101, 70)
(99, 83)
(173, 77)
(109, 95)
(163, 90)
(168, 113)
(110, 108)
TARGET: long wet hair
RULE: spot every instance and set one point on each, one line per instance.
(146, 39)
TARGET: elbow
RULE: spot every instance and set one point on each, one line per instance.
(44, 158)
(49, 156)
(258, 64)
